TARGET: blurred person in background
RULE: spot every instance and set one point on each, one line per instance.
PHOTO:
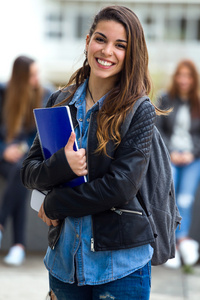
(18, 98)
(181, 133)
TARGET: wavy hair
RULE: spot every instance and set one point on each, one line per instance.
(134, 80)
(193, 95)
(20, 99)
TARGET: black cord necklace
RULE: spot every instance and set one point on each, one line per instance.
(90, 94)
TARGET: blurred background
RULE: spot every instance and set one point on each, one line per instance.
(53, 32)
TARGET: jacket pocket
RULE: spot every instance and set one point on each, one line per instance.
(120, 211)
(121, 228)
(136, 227)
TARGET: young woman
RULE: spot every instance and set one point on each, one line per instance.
(181, 132)
(97, 251)
(17, 131)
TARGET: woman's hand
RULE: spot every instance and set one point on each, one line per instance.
(187, 158)
(175, 157)
(13, 153)
(76, 159)
(45, 219)
(181, 158)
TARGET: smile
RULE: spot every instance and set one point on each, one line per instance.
(104, 62)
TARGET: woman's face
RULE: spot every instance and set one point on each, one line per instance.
(34, 76)
(184, 80)
(106, 50)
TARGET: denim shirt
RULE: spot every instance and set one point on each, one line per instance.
(72, 259)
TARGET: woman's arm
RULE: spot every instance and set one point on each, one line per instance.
(41, 174)
(119, 185)
(164, 123)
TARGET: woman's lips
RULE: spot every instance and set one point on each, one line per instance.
(104, 63)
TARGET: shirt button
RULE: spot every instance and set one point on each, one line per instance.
(81, 120)
(77, 235)
(88, 120)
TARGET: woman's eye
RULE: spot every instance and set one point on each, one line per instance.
(99, 39)
(121, 46)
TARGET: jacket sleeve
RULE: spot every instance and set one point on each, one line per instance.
(122, 181)
(162, 121)
(40, 174)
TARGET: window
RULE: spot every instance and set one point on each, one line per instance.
(174, 29)
(150, 28)
(54, 22)
(198, 30)
(82, 25)
(183, 28)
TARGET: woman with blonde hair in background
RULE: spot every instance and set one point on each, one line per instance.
(18, 98)
(181, 133)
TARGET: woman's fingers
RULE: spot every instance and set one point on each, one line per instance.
(77, 160)
(45, 219)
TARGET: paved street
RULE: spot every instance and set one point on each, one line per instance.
(170, 284)
(27, 282)
(30, 282)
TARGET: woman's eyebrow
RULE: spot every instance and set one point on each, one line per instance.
(123, 41)
(119, 40)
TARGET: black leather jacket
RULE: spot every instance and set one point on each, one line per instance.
(166, 125)
(118, 219)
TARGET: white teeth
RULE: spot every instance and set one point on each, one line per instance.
(104, 63)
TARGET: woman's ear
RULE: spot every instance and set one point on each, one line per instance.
(87, 42)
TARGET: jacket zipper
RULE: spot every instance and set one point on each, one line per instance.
(120, 211)
(92, 245)
(92, 238)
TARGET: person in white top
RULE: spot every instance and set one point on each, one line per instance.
(181, 133)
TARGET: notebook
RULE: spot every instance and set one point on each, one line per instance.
(54, 127)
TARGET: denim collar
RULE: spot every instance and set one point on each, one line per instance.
(80, 94)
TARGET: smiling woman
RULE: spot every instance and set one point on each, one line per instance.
(94, 251)
(106, 50)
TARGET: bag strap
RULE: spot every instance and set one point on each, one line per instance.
(124, 130)
(129, 117)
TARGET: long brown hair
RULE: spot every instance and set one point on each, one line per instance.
(20, 99)
(193, 95)
(134, 80)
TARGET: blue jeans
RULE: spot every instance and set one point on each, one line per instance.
(135, 286)
(186, 181)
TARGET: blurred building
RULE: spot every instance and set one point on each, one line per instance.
(53, 31)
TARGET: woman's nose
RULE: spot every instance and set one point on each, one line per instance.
(107, 51)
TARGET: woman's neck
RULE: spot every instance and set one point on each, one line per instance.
(183, 96)
(98, 88)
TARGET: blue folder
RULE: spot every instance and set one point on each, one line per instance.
(54, 126)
